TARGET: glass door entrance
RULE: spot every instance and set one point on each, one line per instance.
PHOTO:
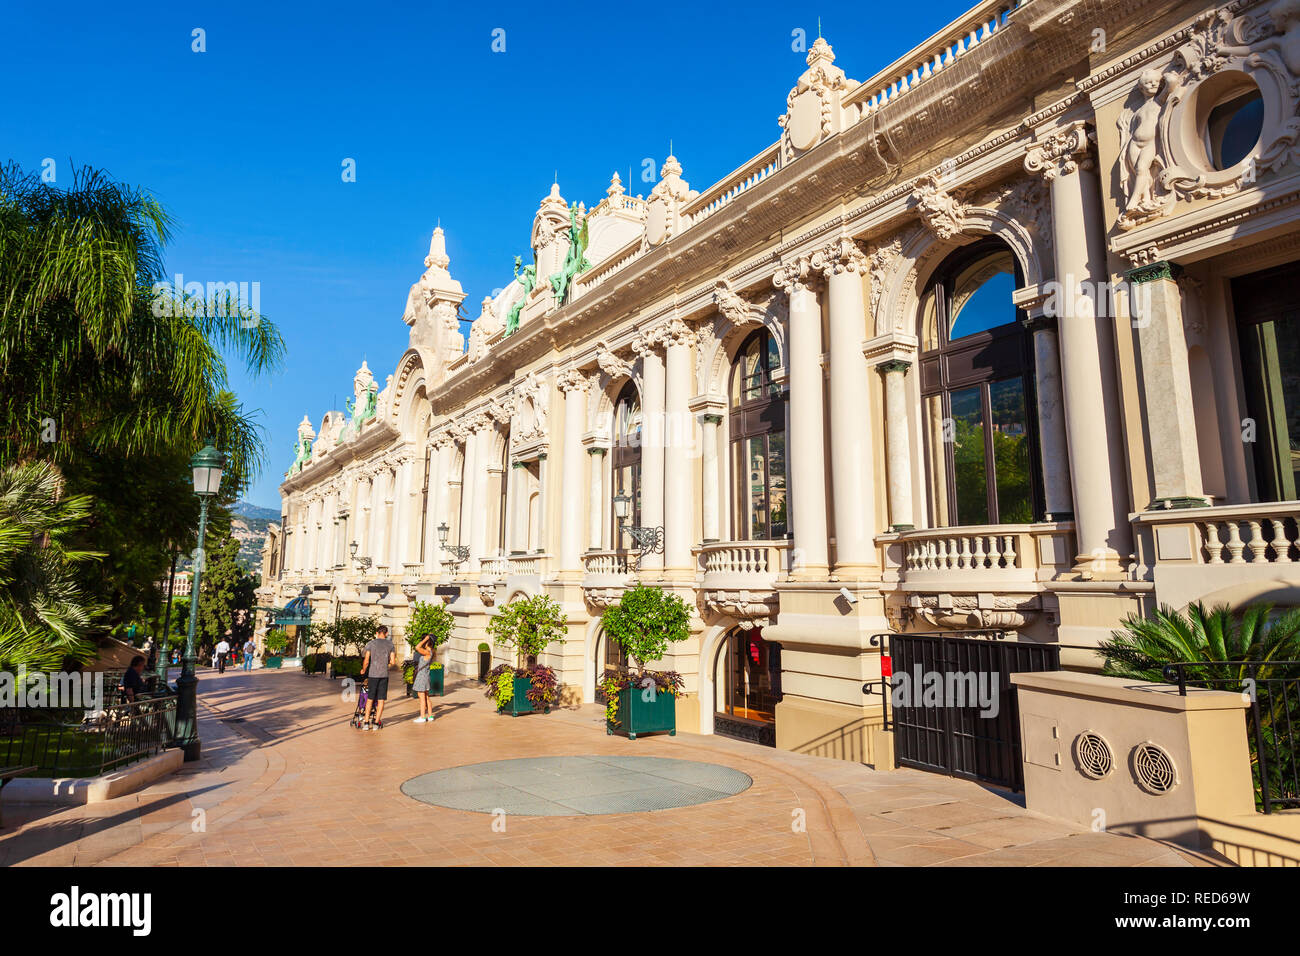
(748, 687)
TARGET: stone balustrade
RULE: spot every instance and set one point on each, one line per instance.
(993, 554)
(752, 564)
(729, 187)
(494, 568)
(527, 564)
(934, 55)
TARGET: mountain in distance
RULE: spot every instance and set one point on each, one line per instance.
(248, 524)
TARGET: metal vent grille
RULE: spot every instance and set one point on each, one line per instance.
(1154, 769)
(1093, 755)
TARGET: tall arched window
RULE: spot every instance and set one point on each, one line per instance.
(977, 388)
(757, 427)
(625, 457)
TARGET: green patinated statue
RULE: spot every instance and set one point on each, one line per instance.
(302, 454)
(576, 260)
(528, 279)
(359, 418)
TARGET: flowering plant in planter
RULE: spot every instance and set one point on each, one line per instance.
(643, 623)
(529, 626)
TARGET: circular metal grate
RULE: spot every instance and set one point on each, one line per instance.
(1093, 755)
(577, 785)
(1154, 769)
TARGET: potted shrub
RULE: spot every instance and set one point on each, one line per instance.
(528, 626)
(643, 623)
(276, 642)
(316, 659)
(438, 622)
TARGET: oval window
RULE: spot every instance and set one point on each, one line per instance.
(1233, 128)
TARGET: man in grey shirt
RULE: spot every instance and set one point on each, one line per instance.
(380, 657)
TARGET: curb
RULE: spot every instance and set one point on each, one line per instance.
(76, 791)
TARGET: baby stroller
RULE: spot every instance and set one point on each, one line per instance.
(359, 716)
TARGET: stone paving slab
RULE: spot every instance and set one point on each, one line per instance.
(294, 784)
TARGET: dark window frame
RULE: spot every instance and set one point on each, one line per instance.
(981, 359)
(757, 417)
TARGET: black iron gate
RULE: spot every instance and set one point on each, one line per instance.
(951, 704)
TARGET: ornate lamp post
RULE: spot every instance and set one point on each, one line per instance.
(460, 551)
(206, 467)
(648, 540)
(362, 563)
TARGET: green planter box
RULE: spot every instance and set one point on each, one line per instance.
(437, 682)
(644, 717)
(272, 661)
(520, 704)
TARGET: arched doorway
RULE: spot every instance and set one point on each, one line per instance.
(747, 686)
(609, 657)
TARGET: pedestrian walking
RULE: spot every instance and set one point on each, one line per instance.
(379, 658)
(423, 660)
(223, 649)
(249, 650)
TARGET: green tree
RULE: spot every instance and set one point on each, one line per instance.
(226, 590)
(45, 614)
(432, 619)
(528, 625)
(115, 378)
(644, 621)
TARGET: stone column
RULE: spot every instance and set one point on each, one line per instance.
(478, 513)
(854, 495)
(1088, 378)
(708, 411)
(652, 444)
(1058, 503)
(1156, 306)
(468, 485)
(400, 517)
(574, 387)
(544, 536)
(710, 476)
(596, 499)
(806, 441)
(898, 444)
(679, 433)
(519, 508)
(439, 490)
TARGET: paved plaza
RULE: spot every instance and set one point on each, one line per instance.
(284, 780)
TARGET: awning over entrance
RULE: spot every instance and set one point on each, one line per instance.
(296, 612)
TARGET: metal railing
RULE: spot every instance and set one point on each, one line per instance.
(1272, 689)
(72, 743)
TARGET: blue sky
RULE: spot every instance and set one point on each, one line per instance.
(244, 143)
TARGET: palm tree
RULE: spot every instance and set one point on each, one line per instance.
(98, 355)
(114, 377)
(1252, 634)
(1249, 650)
(45, 616)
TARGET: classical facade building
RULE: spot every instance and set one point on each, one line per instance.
(1002, 337)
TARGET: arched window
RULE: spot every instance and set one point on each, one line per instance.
(977, 388)
(625, 457)
(757, 427)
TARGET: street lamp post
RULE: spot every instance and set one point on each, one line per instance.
(206, 467)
